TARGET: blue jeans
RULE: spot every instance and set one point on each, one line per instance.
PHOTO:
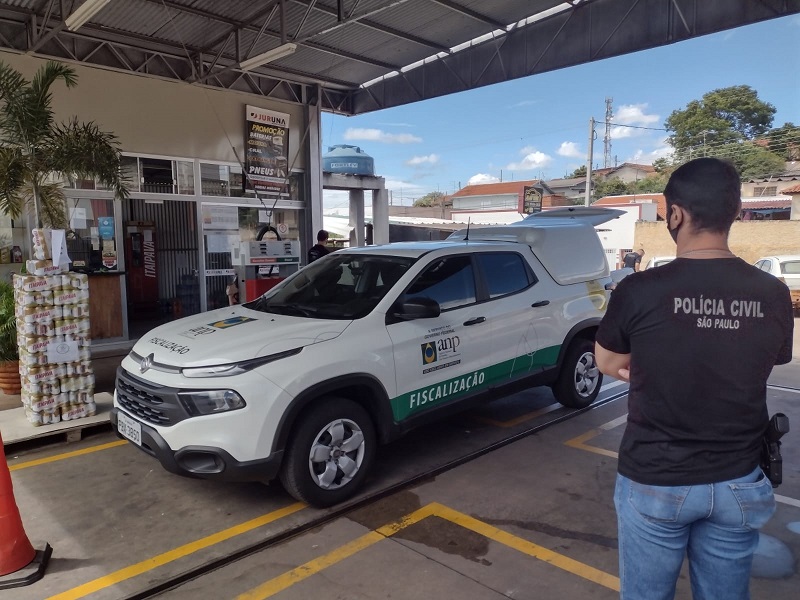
(715, 524)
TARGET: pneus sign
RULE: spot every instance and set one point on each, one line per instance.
(267, 151)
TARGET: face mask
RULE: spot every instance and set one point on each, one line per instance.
(673, 232)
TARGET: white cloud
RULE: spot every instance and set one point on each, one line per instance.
(482, 178)
(570, 150)
(378, 135)
(532, 159)
(419, 161)
(632, 114)
(644, 157)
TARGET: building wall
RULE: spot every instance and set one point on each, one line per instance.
(168, 118)
(495, 202)
(749, 239)
(764, 188)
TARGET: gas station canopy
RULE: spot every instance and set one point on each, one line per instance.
(357, 56)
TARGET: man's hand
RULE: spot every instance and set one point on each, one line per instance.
(613, 364)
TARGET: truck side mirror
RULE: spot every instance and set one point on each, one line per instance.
(418, 307)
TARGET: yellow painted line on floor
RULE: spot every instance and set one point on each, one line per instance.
(144, 566)
(580, 441)
(521, 545)
(434, 509)
(66, 455)
(280, 583)
(312, 567)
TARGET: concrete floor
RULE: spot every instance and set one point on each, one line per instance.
(534, 519)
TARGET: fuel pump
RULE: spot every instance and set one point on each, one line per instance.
(261, 265)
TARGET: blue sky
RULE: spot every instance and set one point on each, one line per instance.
(538, 127)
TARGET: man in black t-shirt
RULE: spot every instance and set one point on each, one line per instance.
(319, 249)
(633, 260)
(696, 339)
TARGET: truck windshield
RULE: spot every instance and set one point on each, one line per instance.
(338, 286)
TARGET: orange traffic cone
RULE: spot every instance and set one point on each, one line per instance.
(20, 564)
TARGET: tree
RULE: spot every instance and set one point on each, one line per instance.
(37, 154)
(751, 160)
(609, 187)
(785, 141)
(579, 172)
(723, 116)
(654, 184)
(430, 199)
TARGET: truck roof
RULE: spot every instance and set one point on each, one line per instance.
(564, 240)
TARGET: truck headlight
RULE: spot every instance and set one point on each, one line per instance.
(210, 402)
(236, 368)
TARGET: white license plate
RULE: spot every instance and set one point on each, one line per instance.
(129, 428)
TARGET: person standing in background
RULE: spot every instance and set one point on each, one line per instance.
(319, 249)
(633, 260)
(689, 480)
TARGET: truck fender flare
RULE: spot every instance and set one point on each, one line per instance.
(586, 328)
(377, 405)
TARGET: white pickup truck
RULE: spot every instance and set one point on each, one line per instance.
(360, 346)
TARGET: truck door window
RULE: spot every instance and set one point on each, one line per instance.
(450, 281)
(504, 273)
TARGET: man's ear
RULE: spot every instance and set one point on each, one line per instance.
(676, 216)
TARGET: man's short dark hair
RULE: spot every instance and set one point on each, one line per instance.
(322, 235)
(709, 189)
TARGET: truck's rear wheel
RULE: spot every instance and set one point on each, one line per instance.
(579, 381)
(329, 453)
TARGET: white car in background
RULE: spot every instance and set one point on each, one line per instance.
(657, 261)
(785, 267)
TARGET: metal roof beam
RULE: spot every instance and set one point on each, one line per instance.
(122, 57)
(366, 22)
(471, 13)
(589, 31)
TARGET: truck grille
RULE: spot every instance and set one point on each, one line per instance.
(155, 405)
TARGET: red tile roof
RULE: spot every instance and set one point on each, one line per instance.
(795, 189)
(491, 189)
(748, 204)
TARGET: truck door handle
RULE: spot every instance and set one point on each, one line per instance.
(540, 303)
(474, 321)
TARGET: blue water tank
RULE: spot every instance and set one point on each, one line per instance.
(351, 160)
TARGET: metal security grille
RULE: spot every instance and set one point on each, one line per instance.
(176, 249)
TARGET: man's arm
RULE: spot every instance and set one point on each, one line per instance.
(612, 364)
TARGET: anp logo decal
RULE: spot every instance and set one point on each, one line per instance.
(428, 353)
(230, 322)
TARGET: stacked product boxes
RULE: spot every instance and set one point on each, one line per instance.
(55, 365)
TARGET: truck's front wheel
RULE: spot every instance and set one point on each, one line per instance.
(329, 453)
(579, 381)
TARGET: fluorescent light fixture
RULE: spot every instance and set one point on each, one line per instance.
(267, 57)
(85, 12)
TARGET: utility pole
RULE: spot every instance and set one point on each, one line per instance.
(607, 137)
(588, 199)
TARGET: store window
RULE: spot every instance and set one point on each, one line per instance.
(130, 172)
(185, 176)
(91, 237)
(156, 176)
(214, 179)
